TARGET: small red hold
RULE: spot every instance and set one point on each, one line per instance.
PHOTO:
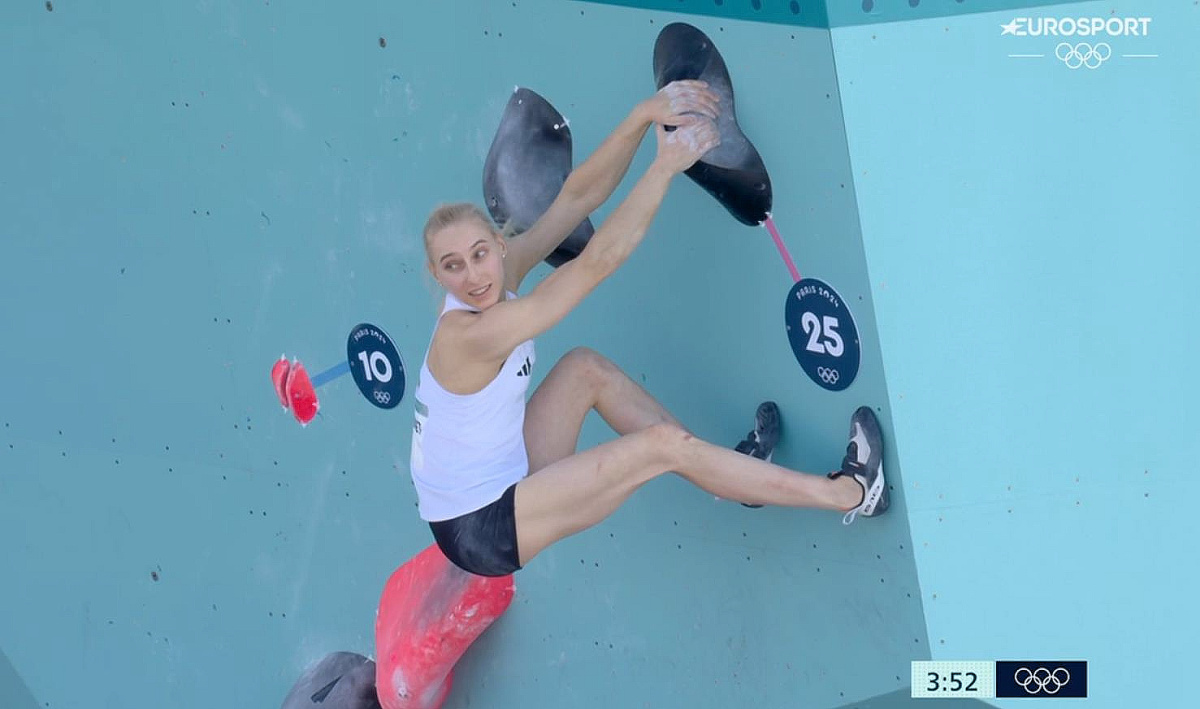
(300, 393)
(279, 378)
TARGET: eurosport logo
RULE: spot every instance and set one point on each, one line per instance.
(1101, 34)
(1077, 27)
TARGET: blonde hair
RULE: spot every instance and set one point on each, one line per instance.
(451, 213)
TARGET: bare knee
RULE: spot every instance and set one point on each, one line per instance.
(666, 443)
(591, 366)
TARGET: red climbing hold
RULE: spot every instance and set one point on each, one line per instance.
(430, 612)
(300, 393)
(279, 378)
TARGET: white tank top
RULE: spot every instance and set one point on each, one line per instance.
(468, 448)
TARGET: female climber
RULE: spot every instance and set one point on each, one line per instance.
(497, 477)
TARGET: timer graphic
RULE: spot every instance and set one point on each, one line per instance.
(953, 678)
(998, 679)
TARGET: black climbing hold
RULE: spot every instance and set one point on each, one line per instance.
(733, 172)
(341, 680)
(526, 167)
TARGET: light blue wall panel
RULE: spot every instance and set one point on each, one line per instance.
(1029, 238)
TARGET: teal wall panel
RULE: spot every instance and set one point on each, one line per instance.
(13, 692)
(783, 12)
(195, 189)
(831, 13)
(1029, 240)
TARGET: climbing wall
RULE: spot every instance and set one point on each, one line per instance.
(192, 191)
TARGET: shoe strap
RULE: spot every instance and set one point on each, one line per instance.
(850, 515)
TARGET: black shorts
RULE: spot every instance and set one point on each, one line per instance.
(483, 542)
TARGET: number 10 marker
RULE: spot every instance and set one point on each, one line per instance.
(371, 357)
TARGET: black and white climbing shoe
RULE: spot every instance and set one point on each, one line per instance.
(864, 462)
(760, 443)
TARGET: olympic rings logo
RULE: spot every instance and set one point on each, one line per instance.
(383, 397)
(1041, 679)
(827, 375)
(1082, 54)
